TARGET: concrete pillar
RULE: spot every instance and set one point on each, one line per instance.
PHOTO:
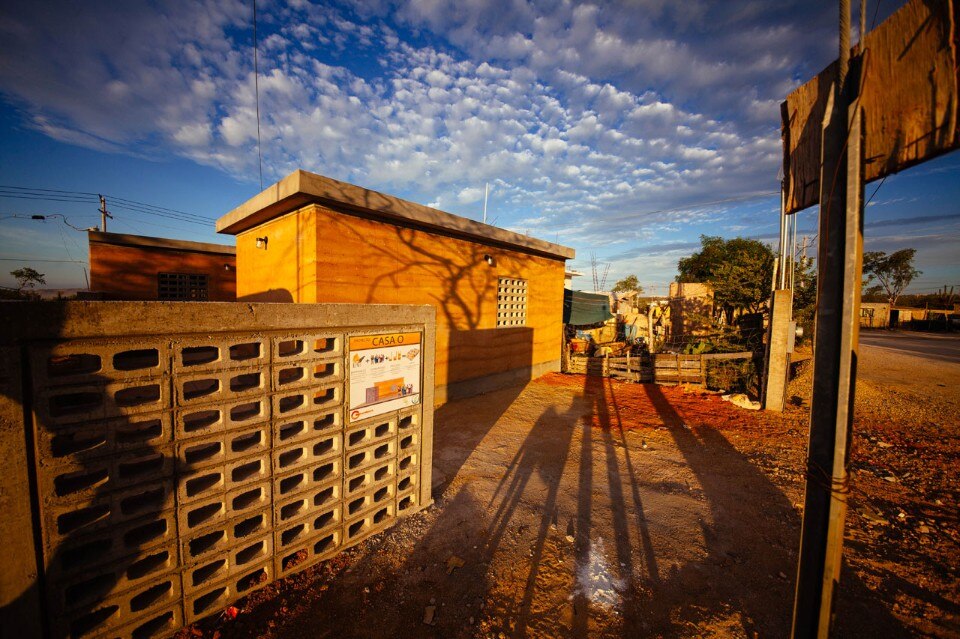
(779, 346)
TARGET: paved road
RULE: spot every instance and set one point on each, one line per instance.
(943, 347)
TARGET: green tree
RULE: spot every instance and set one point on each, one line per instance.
(27, 278)
(627, 285)
(739, 270)
(894, 272)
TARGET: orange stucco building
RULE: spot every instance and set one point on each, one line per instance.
(135, 267)
(498, 294)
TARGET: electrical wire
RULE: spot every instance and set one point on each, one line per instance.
(876, 11)
(876, 189)
(31, 259)
(58, 195)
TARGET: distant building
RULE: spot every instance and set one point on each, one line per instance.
(691, 307)
(568, 276)
(874, 314)
(134, 267)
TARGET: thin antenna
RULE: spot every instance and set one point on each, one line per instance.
(603, 279)
(256, 89)
(486, 193)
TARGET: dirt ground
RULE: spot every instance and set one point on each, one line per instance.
(585, 507)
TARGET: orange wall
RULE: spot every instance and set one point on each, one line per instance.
(318, 255)
(130, 272)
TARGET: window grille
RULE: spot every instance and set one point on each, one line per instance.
(182, 286)
(511, 302)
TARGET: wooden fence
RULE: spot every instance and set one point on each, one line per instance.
(663, 368)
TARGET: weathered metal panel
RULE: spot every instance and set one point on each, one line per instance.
(909, 100)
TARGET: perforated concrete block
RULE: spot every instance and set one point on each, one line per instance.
(357, 482)
(215, 449)
(219, 567)
(371, 498)
(309, 453)
(302, 427)
(80, 554)
(307, 478)
(292, 559)
(232, 504)
(287, 404)
(407, 503)
(308, 373)
(105, 511)
(78, 481)
(77, 443)
(370, 432)
(217, 597)
(124, 609)
(377, 453)
(85, 589)
(296, 347)
(92, 402)
(160, 623)
(99, 361)
(372, 522)
(311, 527)
(219, 353)
(200, 545)
(305, 503)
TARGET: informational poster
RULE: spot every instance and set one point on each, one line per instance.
(384, 373)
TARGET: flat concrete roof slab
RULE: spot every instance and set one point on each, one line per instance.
(301, 188)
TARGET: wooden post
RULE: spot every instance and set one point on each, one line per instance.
(835, 363)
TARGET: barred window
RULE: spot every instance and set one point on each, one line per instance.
(182, 286)
(511, 302)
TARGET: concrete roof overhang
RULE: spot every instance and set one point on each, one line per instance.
(301, 188)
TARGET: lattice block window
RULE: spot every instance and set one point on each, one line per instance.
(182, 286)
(511, 302)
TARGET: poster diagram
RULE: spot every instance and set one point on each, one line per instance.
(384, 373)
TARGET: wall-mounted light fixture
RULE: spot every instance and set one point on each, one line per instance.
(489, 259)
(262, 242)
(227, 267)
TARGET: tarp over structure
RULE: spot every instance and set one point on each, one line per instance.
(585, 309)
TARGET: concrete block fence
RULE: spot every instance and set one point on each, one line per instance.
(162, 460)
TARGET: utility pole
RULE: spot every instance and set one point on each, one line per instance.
(104, 214)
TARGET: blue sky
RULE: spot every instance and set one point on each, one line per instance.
(622, 129)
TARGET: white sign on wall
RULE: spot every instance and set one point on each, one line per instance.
(384, 373)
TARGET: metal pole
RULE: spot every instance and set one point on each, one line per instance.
(782, 261)
(486, 192)
(835, 355)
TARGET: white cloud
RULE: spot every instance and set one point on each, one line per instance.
(469, 195)
(573, 113)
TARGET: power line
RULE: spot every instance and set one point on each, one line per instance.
(31, 259)
(875, 190)
(58, 195)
